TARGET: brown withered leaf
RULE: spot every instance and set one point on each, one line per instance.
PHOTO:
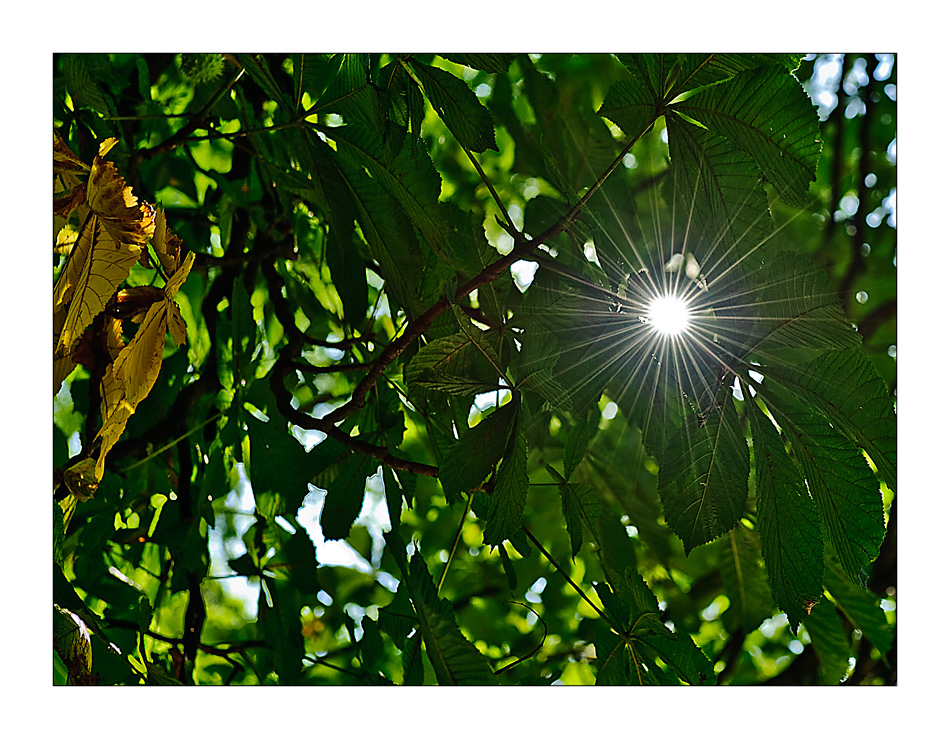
(128, 220)
(134, 302)
(63, 158)
(68, 202)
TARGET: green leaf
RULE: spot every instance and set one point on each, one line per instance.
(243, 329)
(344, 498)
(459, 108)
(511, 488)
(256, 66)
(398, 619)
(721, 187)
(839, 479)
(447, 364)
(863, 609)
(744, 580)
(413, 669)
(387, 230)
(296, 561)
(798, 308)
(454, 659)
(681, 654)
(699, 70)
(473, 457)
(704, 474)
(829, 641)
(612, 658)
(535, 367)
(347, 270)
(765, 113)
(410, 179)
(632, 105)
(281, 628)
(494, 63)
(279, 464)
(577, 440)
(788, 523)
(845, 388)
(581, 505)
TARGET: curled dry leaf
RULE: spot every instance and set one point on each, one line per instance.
(129, 221)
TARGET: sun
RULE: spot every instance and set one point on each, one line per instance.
(669, 315)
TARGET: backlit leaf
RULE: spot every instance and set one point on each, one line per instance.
(762, 112)
(788, 523)
(97, 266)
(454, 659)
(130, 222)
(704, 474)
(511, 489)
(581, 505)
(840, 481)
(474, 455)
(463, 114)
(860, 408)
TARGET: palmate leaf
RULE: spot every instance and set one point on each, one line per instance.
(765, 113)
(494, 63)
(704, 474)
(454, 659)
(458, 107)
(634, 103)
(840, 481)
(699, 70)
(788, 523)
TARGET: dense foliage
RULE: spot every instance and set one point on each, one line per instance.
(359, 379)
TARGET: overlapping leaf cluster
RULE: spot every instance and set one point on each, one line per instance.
(357, 299)
(89, 305)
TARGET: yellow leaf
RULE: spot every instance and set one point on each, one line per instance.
(176, 324)
(166, 244)
(116, 411)
(128, 220)
(175, 281)
(137, 365)
(106, 146)
(97, 266)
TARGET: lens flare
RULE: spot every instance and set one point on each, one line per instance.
(669, 315)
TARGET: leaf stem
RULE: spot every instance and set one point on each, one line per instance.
(567, 577)
(455, 544)
(173, 442)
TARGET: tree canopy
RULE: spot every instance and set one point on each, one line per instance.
(471, 369)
